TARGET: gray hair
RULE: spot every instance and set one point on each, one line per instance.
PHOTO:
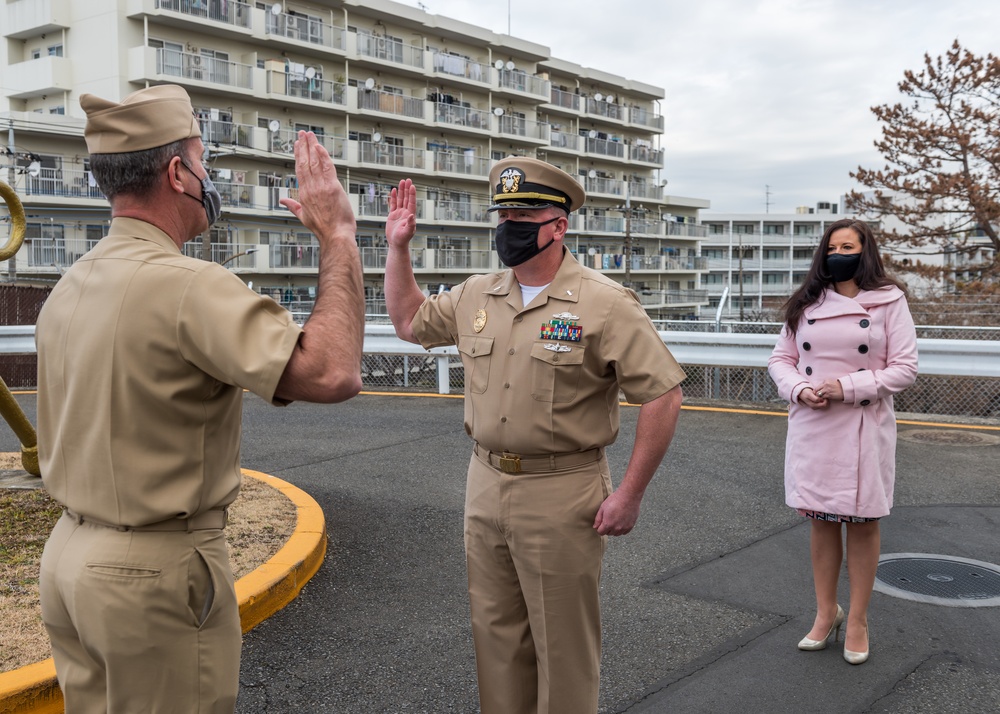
(133, 173)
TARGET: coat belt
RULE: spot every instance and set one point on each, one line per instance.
(536, 463)
(215, 519)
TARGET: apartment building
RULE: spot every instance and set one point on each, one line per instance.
(760, 257)
(391, 90)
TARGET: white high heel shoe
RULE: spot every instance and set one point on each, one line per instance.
(812, 645)
(857, 657)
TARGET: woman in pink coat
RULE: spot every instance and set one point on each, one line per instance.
(847, 346)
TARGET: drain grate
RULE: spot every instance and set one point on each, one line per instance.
(939, 579)
(953, 437)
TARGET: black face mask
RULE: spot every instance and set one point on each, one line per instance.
(517, 241)
(843, 267)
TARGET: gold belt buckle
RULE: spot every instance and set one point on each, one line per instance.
(510, 463)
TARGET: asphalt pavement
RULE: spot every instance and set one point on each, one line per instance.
(703, 602)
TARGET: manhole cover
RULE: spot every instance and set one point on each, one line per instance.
(939, 579)
(956, 437)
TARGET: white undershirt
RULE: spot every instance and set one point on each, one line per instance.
(530, 292)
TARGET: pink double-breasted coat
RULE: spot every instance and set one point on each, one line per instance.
(842, 459)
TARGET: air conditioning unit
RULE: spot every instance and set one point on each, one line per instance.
(196, 60)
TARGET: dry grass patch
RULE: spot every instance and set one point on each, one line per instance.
(260, 522)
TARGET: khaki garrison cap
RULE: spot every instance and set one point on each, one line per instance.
(151, 117)
(520, 182)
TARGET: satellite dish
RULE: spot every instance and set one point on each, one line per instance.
(310, 72)
(591, 174)
(376, 137)
(498, 64)
(276, 8)
(369, 84)
(509, 65)
(274, 125)
(34, 168)
(592, 134)
(610, 98)
(498, 111)
(598, 96)
(591, 251)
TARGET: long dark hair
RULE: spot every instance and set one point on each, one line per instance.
(871, 273)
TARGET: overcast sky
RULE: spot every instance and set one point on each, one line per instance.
(759, 93)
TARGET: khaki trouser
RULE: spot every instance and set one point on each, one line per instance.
(534, 565)
(141, 621)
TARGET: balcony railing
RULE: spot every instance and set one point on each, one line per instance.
(645, 190)
(464, 211)
(189, 65)
(223, 253)
(283, 142)
(390, 50)
(74, 183)
(226, 132)
(517, 126)
(605, 147)
(672, 297)
(605, 109)
(647, 154)
(599, 184)
(567, 100)
(306, 29)
(389, 155)
(458, 115)
(461, 163)
(461, 259)
(301, 86)
(688, 230)
(521, 81)
(456, 66)
(644, 117)
(604, 224)
(565, 141)
(390, 103)
(229, 12)
(236, 195)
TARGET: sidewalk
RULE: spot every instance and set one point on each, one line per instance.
(703, 603)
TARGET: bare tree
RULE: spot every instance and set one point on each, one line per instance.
(941, 180)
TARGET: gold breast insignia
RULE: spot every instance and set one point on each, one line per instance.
(480, 322)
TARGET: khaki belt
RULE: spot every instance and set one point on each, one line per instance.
(517, 464)
(207, 521)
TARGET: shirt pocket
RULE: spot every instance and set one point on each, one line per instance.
(555, 376)
(476, 354)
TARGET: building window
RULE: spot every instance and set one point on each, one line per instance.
(57, 110)
(36, 54)
(773, 254)
(774, 230)
(56, 51)
(714, 252)
(774, 278)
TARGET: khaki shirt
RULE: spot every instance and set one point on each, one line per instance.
(532, 395)
(143, 355)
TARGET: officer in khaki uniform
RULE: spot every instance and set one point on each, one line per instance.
(143, 356)
(546, 345)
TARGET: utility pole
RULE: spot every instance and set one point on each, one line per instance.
(741, 275)
(767, 198)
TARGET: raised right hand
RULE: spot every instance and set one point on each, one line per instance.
(401, 223)
(323, 205)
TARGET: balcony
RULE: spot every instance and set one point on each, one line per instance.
(603, 109)
(564, 100)
(307, 30)
(646, 155)
(511, 125)
(283, 142)
(376, 205)
(389, 103)
(652, 298)
(31, 18)
(173, 65)
(461, 212)
(645, 190)
(561, 141)
(604, 147)
(461, 116)
(604, 224)
(460, 259)
(391, 156)
(61, 183)
(645, 118)
(300, 86)
(450, 66)
(686, 230)
(390, 51)
(643, 226)
(465, 163)
(516, 80)
(225, 132)
(604, 186)
(38, 77)
(229, 12)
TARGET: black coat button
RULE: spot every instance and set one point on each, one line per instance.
(810, 321)
(865, 323)
(863, 349)
(809, 370)
(865, 402)
(806, 346)
(862, 369)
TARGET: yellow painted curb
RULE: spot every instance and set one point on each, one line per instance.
(260, 593)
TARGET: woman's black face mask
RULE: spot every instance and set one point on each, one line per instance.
(843, 267)
(517, 241)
